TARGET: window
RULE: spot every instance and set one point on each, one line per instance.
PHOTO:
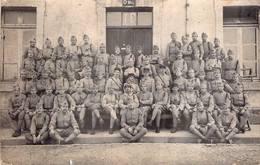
(18, 28)
(241, 32)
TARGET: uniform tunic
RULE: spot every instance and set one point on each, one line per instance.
(86, 84)
(150, 84)
(60, 98)
(229, 68)
(115, 83)
(180, 64)
(227, 121)
(181, 82)
(209, 66)
(44, 82)
(208, 101)
(220, 53)
(61, 82)
(59, 51)
(28, 64)
(63, 120)
(79, 97)
(39, 124)
(177, 99)
(73, 50)
(197, 65)
(31, 102)
(47, 53)
(50, 65)
(125, 99)
(132, 118)
(221, 98)
(93, 101)
(101, 85)
(86, 51)
(15, 102)
(197, 45)
(61, 65)
(186, 51)
(191, 99)
(207, 48)
(47, 101)
(202, 119)
(171, 50)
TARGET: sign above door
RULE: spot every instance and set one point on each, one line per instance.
(128, 2)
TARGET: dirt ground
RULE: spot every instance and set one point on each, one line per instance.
(139, 153)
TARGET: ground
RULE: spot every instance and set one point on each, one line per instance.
(138, 153)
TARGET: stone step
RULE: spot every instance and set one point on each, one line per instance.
(165, 136)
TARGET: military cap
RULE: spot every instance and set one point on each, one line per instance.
(33, 40)
(47, 39)
(127, 85)
(230, 51)
(216, 39)
(48, 87)
(175, 86)
(194, 34)
(60, 38)
(85, 36)
(155, 47)
(128, 47)
(139, 48)
(204, 35)
(117, 68)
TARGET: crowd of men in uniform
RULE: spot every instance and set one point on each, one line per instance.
(195, 82)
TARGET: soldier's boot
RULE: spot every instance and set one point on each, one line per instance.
(157, 130)
(83, 130)
(101, 122)
(94, 120)
(16, 133)
(110, 131)
(92, 132)
(70, 138)
(150, 123)
(173, 130)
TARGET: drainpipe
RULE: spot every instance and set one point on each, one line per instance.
(186, 17)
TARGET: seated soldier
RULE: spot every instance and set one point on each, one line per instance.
(149, 81)
(186, 49)
(47, 101)
(15, 105)
(160, 102)
(192, 79)
(145, 101)
(211, 64)
(191, 96)
(179, 64)
(102, 67)
(221, 98)
(197, 64)
(207, 99)
(86, 51)
(115, 82)
(134, 83)
(44, 82)
(140, 57)
(226, 125)
(63, 126)
(126, 97)
(39, 128)
(202, 124)
(74, 66)
(131, 69)
(30, 106)
(28, 63)
(86, 82)
(110, 105)
(220, 53)
(180, 81)
(132, 123)
(100, 82)
(175, 105)
(63, 97)
(93, 103)
(146, 65)
(79, 97)
(164, 78)
(61, 81)
(239, 105)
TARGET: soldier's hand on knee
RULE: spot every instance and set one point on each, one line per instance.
(130, 130)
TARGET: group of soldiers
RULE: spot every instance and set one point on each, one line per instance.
(194, 81)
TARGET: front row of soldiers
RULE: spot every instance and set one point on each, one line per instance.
(63, 116)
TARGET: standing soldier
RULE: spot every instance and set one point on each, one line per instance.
(154, 57)
(145, 101)
(115, 60)
(16, 110)
(50, 65)
(32, 48)
(207, 99)
(172, 48)
(186, 50)
(63, 97)
(192, 79)
(102, 54)
(115, 82)
(86, 82)
(226, 125)
(61, 81)
(196, 44)
(62, 64)
(206, 45)
(202, 124)
(175, 105)
(230, 67)
(48, 50)
(73, 49)
(132, 125)
(87, 51)
(28, 63)
(60, 50)
(79, 98)
(140, 57)
(44, 82)
(129, 55)
(47, 101)
(40, 61)
(74, 66)
(211, 64)
(100, 81)
(160, 102)
(180, 81)
(179, 64)
(239, 105)
(110, 105)
(39, 128)
(146, 65)
(220, 53)
(102, 67)
(63, 124)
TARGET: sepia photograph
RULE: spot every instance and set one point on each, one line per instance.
(130, 82)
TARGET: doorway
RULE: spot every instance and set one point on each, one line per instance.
(129, 26)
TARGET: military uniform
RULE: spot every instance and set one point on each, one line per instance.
(50, 66)
(131, 70)
(207, 47)
(213, 86)
(59, 51)
(115, 61)
(72, 83)
(165, 79)
(39, 127)
(197, 65)
(195, 82)
(30, 107)
(210, 65)
(196, 45)
(86, 84)
(187, 52)
(115, 83)
(146, 101)
(150, 83)
(61, 98)
(132, 119)
(86, 51)
(47, 52)
(44, 82)
(182, 83)
(230, 67)
(47, 101)
(125, 99)
(220, 99)
(39, 63)
(29, 65)
(101, 83)
(62, 65)
(171, 51)
(73, 50)
(73, 66)
(208, 102)
(180, 64)
(61, 82)
(103, 68)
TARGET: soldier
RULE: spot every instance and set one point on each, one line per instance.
(61, 64)
(131, 69)
(93, 103)
(202, 124)
(132, 123)
(186, 50)
(155, 55)
(30, 83)
(129, 55)
(63, 97)
(230, 66)
(140, 58)
(100, 82)
(157, 68)
(63, 126)
(101, 66)
(115, 82)
(211, 64)
(134, 83)
(87, 51)
(146, 65)
(164, 78)
(110, 105)
(240, 105)
(172, 48)
(235, 81)
(160, 102)
(180, 81)
(60, 50)
(50, 65)
(16, 110)
(145, 101)
(175, 105)
(197, 64)
(149, 81)
(86, 82)
(61, 81)
(192, 79)
(47, 101)
(72, 83)
(28, 64)
(206, 45)
(74, 66)
(102, 54)
(207, 99)
(115, 61)
(179, 64)
(221, 98)
(226, 125)
(79, 98)
(203, 81)
(30, 106)
(32, 48)
(48, 50)
(196, 44)
(39, 63)
(220, 53)
(73, 49)
(39, 128)
(44, 81)
(191, 97)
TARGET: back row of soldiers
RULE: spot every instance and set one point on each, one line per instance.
(186, 82)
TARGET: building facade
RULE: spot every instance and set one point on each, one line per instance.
(135, 22)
